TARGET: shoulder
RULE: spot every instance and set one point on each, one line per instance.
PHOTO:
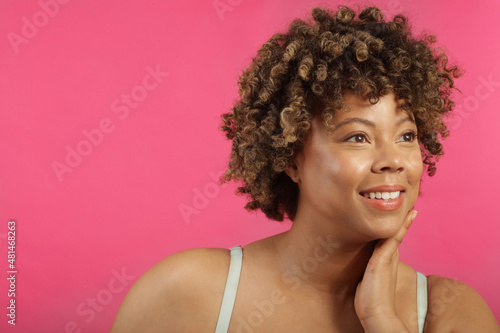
(184, 288)
(453, 306)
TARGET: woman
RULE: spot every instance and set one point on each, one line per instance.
(336, 121)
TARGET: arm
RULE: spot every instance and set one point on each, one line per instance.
(182, 293)
(456, 307)
(150, 304)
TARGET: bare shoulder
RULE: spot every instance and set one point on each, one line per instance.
(181, 293)
(453, 306)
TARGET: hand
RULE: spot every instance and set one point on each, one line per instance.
(374, 301)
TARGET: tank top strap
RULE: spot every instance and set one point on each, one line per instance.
(233, 279)
(421, 300)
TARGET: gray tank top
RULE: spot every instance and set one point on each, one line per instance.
(233, 279)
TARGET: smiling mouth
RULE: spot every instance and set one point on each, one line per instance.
(386, 196)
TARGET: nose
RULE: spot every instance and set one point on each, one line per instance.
(388, 158)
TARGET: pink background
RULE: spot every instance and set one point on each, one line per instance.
(118, 211)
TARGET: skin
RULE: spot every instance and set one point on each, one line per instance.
(290, 282)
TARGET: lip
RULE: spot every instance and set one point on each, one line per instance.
(385, 188)
(382, 204)
(385, 205)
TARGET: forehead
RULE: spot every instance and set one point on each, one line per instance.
(353, 100)
(385, 108)
(386, 113)
(358, 104)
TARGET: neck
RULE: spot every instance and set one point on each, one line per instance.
(316, 260)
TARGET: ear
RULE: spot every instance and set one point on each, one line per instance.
(293, 172)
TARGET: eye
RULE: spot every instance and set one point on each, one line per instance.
(408, 137)
(359, 138)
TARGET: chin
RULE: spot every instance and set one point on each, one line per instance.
(385, 227)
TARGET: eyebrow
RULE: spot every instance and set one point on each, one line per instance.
(367, 122)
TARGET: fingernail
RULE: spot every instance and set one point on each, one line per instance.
(414, 215)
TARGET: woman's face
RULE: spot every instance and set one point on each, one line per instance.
(364, 174)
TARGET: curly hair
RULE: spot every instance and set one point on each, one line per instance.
(307, 69)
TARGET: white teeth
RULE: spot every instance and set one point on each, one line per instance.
(382, 195)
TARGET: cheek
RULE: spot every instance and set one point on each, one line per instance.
(347, 169)
(415, 165)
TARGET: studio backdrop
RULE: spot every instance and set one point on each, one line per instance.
(111, 150)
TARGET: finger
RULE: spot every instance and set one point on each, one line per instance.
(395, 262)
(398, 238)
(387, 247)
